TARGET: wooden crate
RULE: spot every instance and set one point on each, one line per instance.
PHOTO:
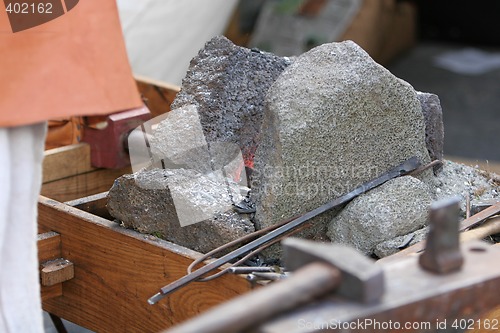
(116, 270)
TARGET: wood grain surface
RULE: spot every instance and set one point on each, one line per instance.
(82, 185)
(117, 270)
(67, 161)
(156, 95)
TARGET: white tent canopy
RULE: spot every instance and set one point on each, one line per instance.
(162, 36)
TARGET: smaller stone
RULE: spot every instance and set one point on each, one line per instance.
(148, 201)
(394, 245)
(442, 249)
(176, 135)
(393, 209)
(228, 84)
(434, 130)
(459, 179)
(178, 142)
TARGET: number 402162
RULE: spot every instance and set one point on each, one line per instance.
(29, 8)
(485, 324)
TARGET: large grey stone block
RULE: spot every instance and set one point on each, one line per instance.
(393, 209)
(333, 120)
(145, 201)
(228, 84)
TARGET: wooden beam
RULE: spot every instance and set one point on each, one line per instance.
(66, 161)
(68, 174)
(117, 270)
(50, 292)
(157, 95)
(82, 185)
(141, 79)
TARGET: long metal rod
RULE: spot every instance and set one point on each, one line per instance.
(402, 169)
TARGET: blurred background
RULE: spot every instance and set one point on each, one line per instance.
(447, 47)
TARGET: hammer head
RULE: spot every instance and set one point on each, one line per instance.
(361, 279)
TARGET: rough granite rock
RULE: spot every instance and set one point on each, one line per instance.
(228, 84)
(394, 245)
(393, 209)
(178, 141)
(459, 179)
(144, 202)
(333, 120)
(454, 179)
(434, 130)
(178, 134)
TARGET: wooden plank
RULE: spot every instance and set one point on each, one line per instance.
(66, 161)
(95, 204)
(485, 165)
(49, 246)
(117, 270)
(82, 185)
(157, 95)
(50, 292)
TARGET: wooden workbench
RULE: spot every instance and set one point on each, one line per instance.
(115, 270)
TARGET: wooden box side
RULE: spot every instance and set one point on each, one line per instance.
(117, 270)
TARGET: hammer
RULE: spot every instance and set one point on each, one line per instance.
(319, 269)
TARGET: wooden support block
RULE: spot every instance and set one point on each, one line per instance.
(117, 270)
(66, 161)
(53, 269)
(49, 246)
(487, 166)
(56, 271)
(50, 292)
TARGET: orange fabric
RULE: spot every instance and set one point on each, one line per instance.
(75, 64)
(63, 132)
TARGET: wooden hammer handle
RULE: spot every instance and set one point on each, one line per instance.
(490, 227)
(310, 282)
